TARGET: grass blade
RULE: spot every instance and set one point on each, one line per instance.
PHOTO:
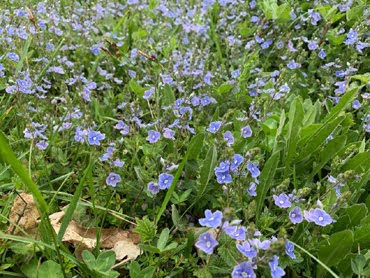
(206, 172)
(73, 204)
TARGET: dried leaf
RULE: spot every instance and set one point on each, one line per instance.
(126, 250)
(23, 214)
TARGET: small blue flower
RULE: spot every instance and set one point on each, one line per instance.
(351, 37)
(13, 56)
(113, 179)
(295, 215)
(276, 270)
(318, 216)
(252, 189)
(253, 169)
(235, 73)
(238, 159)
(228, 136)
(223, 177)
(153, 136)
(168, 133)
(214, 126)
(246, 249)
(235, 232)
(246, 131)
(312, 45)
(206, 243)
(321, 54)
(282, 201)
(94, 137)
(149, 93)
(212, 219)
(289, 248)
(42, 145)
(165, 180)
(118, 163)
(153, 187)
(356, 104)
(224, 166)
(245, 269)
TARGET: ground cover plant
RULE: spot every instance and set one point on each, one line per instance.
(209, 138)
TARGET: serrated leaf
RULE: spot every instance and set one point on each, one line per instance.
(145, 228)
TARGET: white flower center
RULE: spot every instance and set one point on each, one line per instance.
(94, 138)
(281, 202)
(246, 275)
(223, 177)
(321, 218)
(293, 214)
(208, 244)
(165, 181)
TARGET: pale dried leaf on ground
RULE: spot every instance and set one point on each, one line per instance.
(23, 214)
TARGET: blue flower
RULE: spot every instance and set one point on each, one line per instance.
(206, 243)
(118, 163)
(263, 245)
(228, 136)
(351, 37)
(223, 177)
(318, 216)
(253, 169)
(295, 215)
(168, 133)
(282, 201)
(289, 248)
(236, 232)
(246, 249)
(153, 136)
(153, 187)
(238, 159)
(356, 104)
(113, 179)
(276, 270)
(245, 269)
(42, 145)
(12, 56)
(165, 180)
(224, 166)
(94, 137)
(252, 189)
(321, 54)
(214, 127)
(312, 45)
(212, 219)
(149, 93)
(246, 131)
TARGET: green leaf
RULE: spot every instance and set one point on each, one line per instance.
(224, 88)
(358, 264)
(50, 269)
(30, 269)
(89, 259)
(266, 179)
(332, 148)
(337, 246)
(207, 170)
(135, 271)
(145, 228)
(352, 217)
(195, 146)
(364, 78)
(148, 272)
(73, 204)
(282, 13)
(355, 13)
(344, 102)
(136, 88)
(296, 115)
(359, 163)
(149, 248)
(168, 97)
(105, 261)
(318, 138)
(362, 236)
(176, 219)
(163, 238)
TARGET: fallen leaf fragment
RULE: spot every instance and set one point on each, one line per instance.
(23, 214)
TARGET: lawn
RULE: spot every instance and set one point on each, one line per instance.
(189, 138)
